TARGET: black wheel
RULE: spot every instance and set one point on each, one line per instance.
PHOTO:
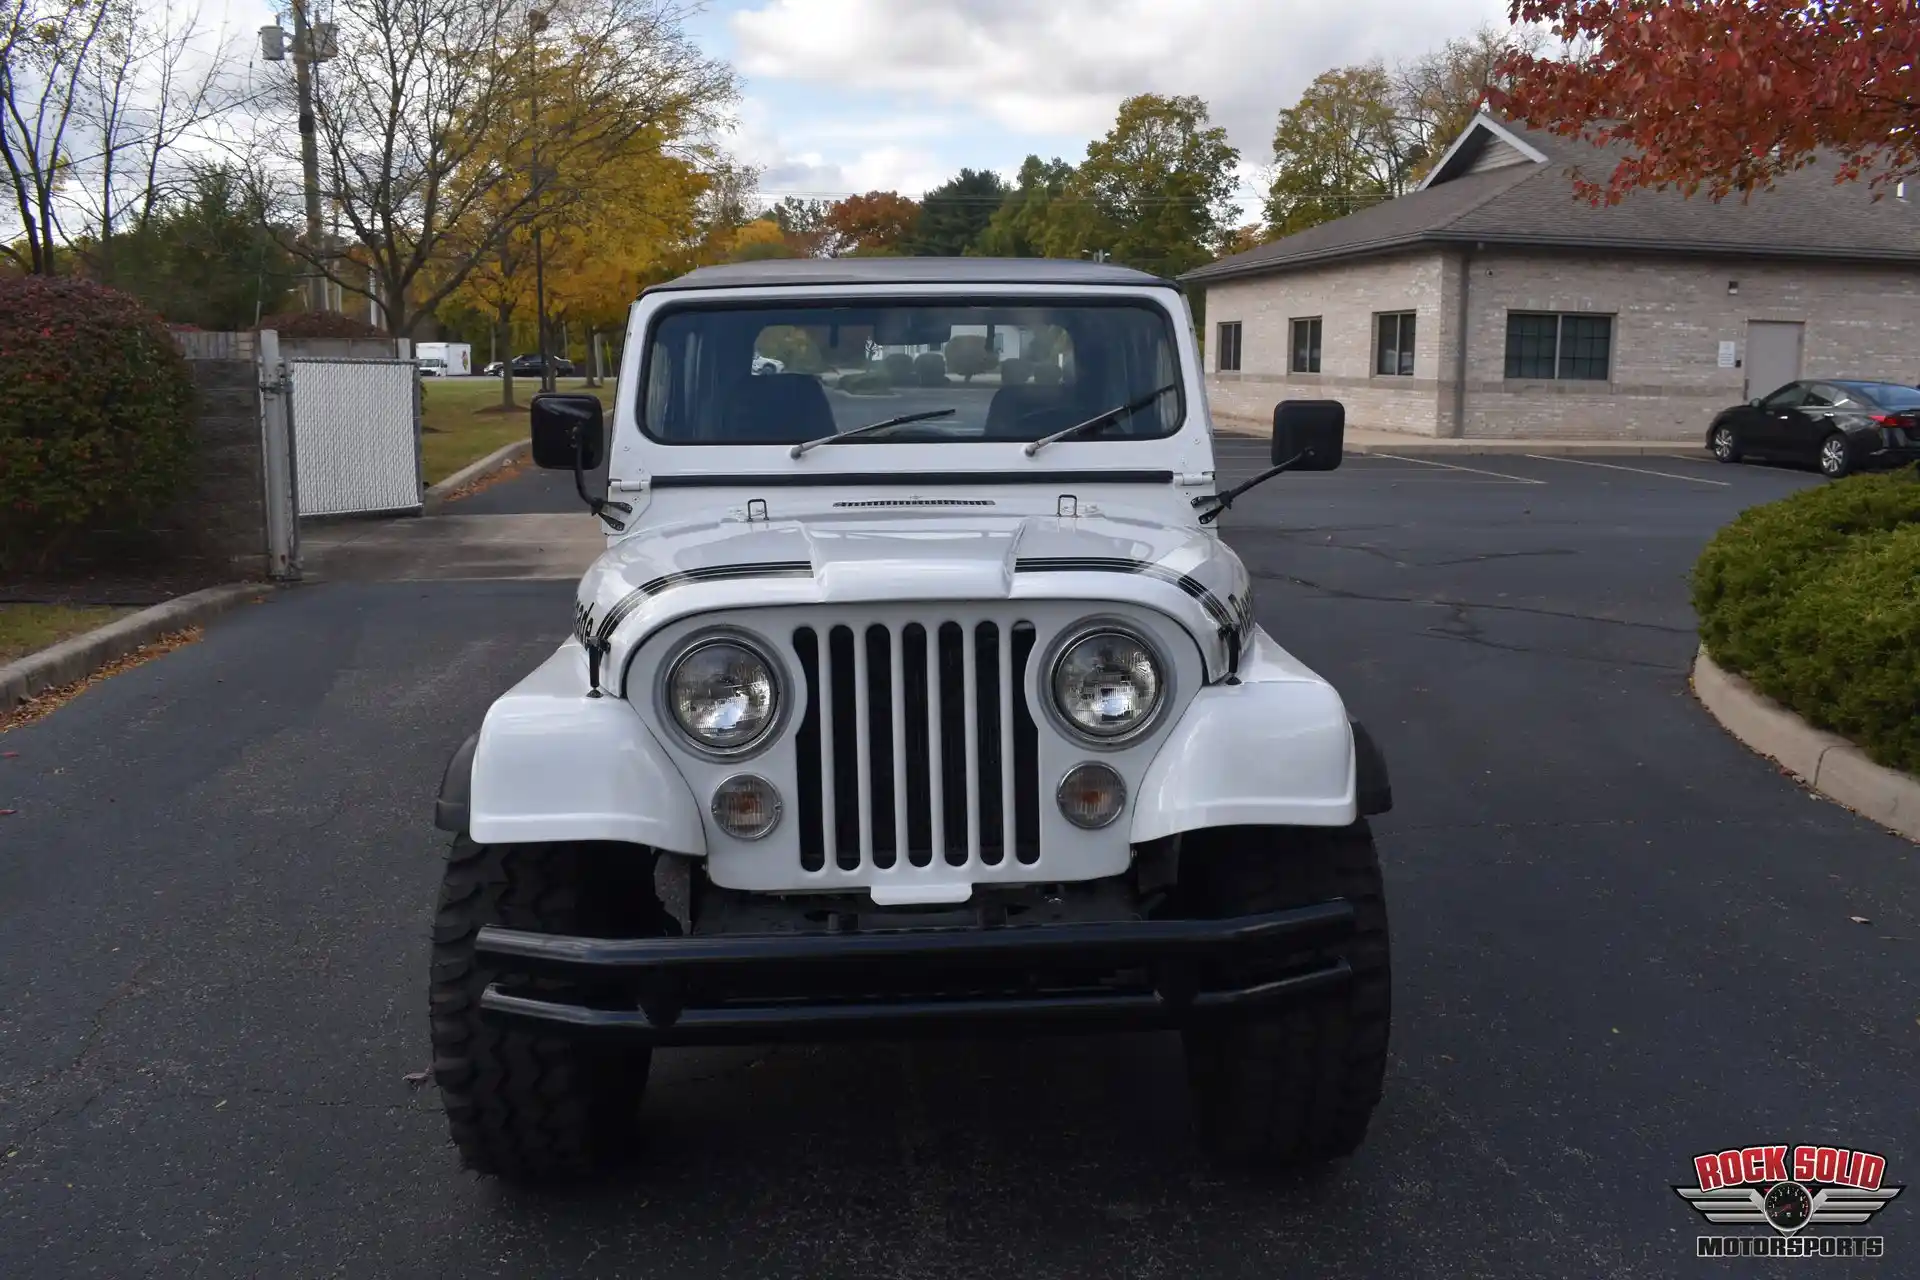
(1836, 458)
(524, 1103)
(1298, 1086)
(1725, 443)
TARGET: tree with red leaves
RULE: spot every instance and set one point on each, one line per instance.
(1725, 95)
(877, 222)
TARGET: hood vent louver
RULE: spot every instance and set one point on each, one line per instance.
(915, 502)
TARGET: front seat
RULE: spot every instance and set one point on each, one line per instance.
(776, 408)
(1024, 413)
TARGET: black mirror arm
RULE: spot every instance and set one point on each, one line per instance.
(1223, 501)
(599, 506)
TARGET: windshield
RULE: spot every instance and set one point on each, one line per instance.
(978, 371)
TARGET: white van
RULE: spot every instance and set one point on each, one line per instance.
(455, 358)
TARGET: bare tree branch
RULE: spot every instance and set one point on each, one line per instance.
(429, 118)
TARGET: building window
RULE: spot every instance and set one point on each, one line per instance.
(1393, 349)
(1543, 345)
(1306, 346)
(1227, 358)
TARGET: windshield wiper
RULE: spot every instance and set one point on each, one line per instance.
(881, 425)
(1132, 406)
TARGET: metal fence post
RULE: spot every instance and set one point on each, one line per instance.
(277, 462)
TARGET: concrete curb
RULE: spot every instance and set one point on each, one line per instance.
(81, 656)
(505, 456)
(1518, 448)
(1423, 447)
(1826, 762)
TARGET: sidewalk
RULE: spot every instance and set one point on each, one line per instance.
(427, 548)
(1362, 440)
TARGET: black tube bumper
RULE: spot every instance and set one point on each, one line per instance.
(751, 989)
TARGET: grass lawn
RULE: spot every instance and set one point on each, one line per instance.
(462, 421)
(27, 628)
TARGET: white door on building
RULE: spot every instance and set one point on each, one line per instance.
(1773, 355)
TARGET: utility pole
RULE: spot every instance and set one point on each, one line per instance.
(536, 23)
(310, 45)
(309, 147)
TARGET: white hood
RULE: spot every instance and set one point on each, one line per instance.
(641, 584)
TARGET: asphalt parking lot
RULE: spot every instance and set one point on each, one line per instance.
(1620, 940)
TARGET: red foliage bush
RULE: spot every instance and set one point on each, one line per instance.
(96, 413)
(319, 324)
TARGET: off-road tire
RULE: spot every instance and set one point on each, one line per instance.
(1297, 1086)
(523, 1103)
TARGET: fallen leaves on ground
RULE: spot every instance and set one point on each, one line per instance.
(492, 478)
(48, 701)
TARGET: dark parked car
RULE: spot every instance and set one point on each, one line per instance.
(529, 366)
(1839, 425)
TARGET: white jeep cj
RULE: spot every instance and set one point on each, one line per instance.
(914, 692)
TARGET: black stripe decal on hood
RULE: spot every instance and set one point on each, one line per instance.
(622, 610)
(1221, 613)
(1233, 616)
(599, 638)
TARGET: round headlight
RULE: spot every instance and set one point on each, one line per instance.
(1108, 684)
(723, 695)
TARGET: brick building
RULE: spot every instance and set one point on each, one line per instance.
(1491, 303)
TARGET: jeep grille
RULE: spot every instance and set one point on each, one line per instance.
(947, 768)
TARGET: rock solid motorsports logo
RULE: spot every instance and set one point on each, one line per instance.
(1819, 1186)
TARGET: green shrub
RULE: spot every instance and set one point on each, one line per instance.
(930, 370)
(96, 422)
(792, 347)
(1816, 601)
(899, 367)
(968, 355)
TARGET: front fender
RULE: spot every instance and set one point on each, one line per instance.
(1276, 749)
(551, 763)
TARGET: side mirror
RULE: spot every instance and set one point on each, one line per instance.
(1313, 431)
(569, 430)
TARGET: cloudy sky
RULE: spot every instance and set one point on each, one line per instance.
(853, 95)
(859, 95)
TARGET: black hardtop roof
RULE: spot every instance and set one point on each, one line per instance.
(815, 272)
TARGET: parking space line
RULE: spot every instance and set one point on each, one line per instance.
(1451, 466)
(1640, 471)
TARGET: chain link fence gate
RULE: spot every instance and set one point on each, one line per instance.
(356, 436)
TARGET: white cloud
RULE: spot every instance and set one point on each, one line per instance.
(833, 155)
(1063, 68)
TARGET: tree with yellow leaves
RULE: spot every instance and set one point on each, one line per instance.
(446, 127)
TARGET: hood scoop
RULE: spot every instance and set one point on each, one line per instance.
(940, 561)
(870, 504)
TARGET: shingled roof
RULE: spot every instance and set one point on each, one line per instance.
(1503, 184)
